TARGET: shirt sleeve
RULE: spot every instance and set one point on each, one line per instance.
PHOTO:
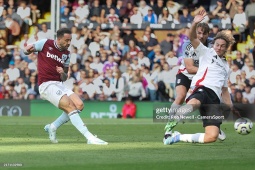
(201, 50)
(39, 44)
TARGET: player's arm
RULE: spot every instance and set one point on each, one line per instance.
(37, 46)
(63, 72)
(189, 64)
(193, 30)
(226, 97)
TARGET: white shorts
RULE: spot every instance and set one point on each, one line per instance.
(53, 91)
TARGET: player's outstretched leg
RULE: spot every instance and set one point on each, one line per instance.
(78, 123)
(191, 138)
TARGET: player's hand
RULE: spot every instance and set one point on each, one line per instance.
(60, 70)
(200, 16)
(29, 49)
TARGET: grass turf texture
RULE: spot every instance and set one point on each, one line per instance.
(133, 144)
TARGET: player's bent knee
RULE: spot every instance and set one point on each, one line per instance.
(210, 139)
(79, 106)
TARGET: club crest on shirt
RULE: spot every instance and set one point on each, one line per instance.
(50, 48)
(64, 57)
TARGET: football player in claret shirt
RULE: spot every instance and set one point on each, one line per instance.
(53, 66)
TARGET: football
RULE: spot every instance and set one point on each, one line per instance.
(243, 126)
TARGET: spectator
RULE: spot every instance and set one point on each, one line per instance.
(152, 80)
(129, 10)
(12, 72)
(128, 110)
(20, 84)
(136, 18)
(217, 13)
(94, 46)
(185, 18)
(172, 6)
(65, 16)
(13, 29)
(165, 16)
(35, 14)
(136, 91)
(118, 84)
(240, 22)
(109, 64)
(1, 7)
(106, 10)
(214, 31)
(143, 8)
(238, 97)
(97, 65)
(232, 7)
(11, 4)
(124, 49)
(171, 59)
(133, 49)
(94, 12)
(89, 88)
(142, 60)
(120, 9)
(251, 71)
(239, 61)
(112, 17)
(167, 44)
(250, 14)
(164, 78)
(33, 86)
(158, 8)
(128, 35)
(248, 95)
(150, 43)
(45, 32)
(81, 13)
(24, 11)
(4, 59)
(108, 90)
(150, 17)
(234, 72)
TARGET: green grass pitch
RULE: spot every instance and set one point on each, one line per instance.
(133, 144)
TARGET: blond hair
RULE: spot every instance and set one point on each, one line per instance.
(225, 35)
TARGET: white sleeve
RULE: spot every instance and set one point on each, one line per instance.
(39, 44)
(201, 50)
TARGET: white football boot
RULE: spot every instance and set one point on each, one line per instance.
(222, 135)
(52, 133)
(96, 141)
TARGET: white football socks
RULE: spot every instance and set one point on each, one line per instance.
(63, 118)
(78, 123)
(193, 138)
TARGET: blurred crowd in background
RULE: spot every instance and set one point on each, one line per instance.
(113, 64)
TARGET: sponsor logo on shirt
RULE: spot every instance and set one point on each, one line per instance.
(55, 57)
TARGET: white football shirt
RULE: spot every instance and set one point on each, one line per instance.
(213, 71)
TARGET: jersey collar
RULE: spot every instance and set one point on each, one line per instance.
(55, 44)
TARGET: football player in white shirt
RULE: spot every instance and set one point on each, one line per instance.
(187, 71)
(209, 84)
